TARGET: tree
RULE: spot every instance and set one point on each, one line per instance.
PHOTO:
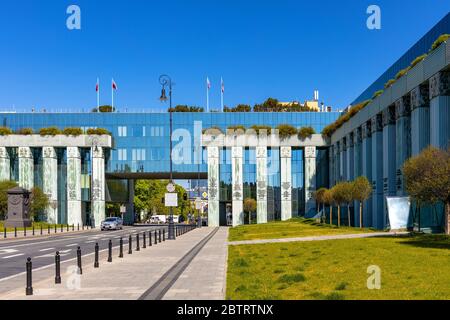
(38, 202)
(427, 179)
(319, 196)
(4, 187)
(343, 194)
(362, 189)
(329, 200)
(250, 207)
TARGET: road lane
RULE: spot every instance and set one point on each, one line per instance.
(42, 251)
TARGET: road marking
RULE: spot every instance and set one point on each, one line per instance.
(48, 249)
(90, 241)
(7, 251)
(72, 245)
(13, 256)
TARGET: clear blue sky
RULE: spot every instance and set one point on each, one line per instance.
(284, 49)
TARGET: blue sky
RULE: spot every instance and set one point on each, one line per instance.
(283, 49)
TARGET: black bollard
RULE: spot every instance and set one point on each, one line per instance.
(25, 231)
(159, 235)
(78, 226)
(130, 248)
(4, 232)
(80, 269)
(137, 242)
(15, 232)
(41, 229)
(33, 229)
(121, 248)
(29, 288)
(62, 228)
(55, 228)
(144, 240)
(48, 229)
(164, 234)
(67, 228)
(96, 264)
(150, 238)
(110, 251)
(156, 239)
(57, 268)
(73, 227)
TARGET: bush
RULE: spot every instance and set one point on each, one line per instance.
(98, 132)
(292, 278)
(237, 128)
(417, 60)
(389, 83)
(238, 108)
(401, 73)
(25, 131)
(378, 93)
(51, 131)
(4, 131)
(285, 131)
(106, 108)
(72, 131)
(442, 38)
(305, 132)
(331, 128)
(259, 129)
(185, 108)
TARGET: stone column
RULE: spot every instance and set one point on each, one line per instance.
(377, 172)
(440, 109)
(74, 215)
(26, 168)
(213, 187)
(357, 165)
(350, 157)
(345, 162)
(420, 119)
(338, 162)
(98, 185)
(310, 181)
(237, 185)
(50, 182)
(367, 172)
(331, 165)
(403, 138)
(261, 184)
(389, 157)
(286, 183)
(5, 165)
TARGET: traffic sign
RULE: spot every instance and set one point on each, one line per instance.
(171, 200)
(205, 194)
(170, 187)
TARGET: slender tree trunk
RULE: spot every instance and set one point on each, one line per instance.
(339, 215)
(331, 215)
(348, 215)
(360, 215)
(447, 218)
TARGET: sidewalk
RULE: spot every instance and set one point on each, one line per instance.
(123, 279)
(205, 277)
(319, 238)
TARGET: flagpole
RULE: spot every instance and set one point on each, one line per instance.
(221, 93)
(98, 93)
(207, 95)
(112, 95)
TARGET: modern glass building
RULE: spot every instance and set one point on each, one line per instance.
(141, 151)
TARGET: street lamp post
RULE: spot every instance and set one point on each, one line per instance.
(199, 221)
(165, 80)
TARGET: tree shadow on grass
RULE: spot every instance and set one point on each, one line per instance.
(435, 241)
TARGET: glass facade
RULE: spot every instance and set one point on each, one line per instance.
(298, 183)
(273, 184)
(141, 139)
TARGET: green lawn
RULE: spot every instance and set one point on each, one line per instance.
(293, 228)
(412, 267)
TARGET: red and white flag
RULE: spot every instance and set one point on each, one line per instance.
(222, 84)
(114, 85)
(97, 86)
(208, 83)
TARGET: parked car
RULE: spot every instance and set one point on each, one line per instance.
(112, 223)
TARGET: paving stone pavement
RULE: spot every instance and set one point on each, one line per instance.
(318, 238)
(205, 277)
(123, 279)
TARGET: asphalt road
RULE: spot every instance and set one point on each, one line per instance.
(41, 250)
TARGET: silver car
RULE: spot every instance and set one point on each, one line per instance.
(112, 224)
